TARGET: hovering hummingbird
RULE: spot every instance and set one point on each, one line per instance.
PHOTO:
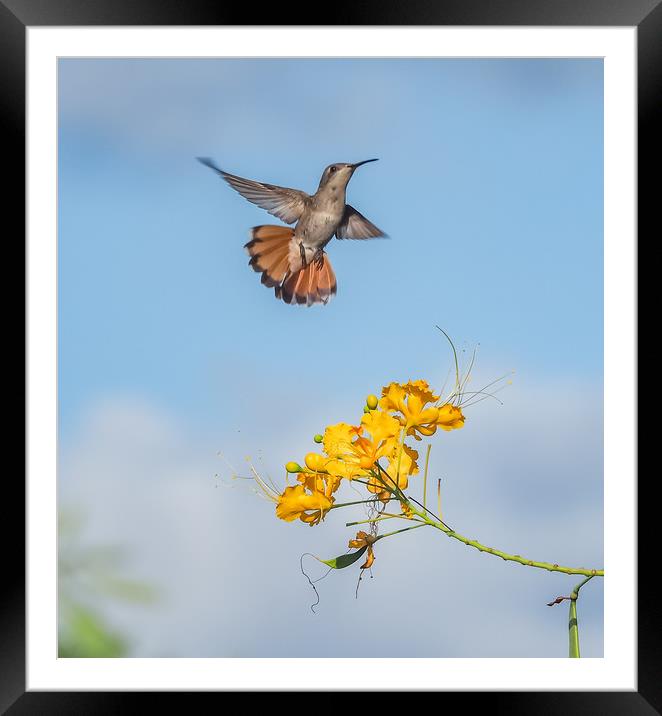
(293, 261)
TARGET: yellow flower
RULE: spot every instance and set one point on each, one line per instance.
(339, 447)
(318, 482)
(383, 428)
(296, 503)
(412, 400)
(450, 417)
(352, 452)
(363, 539)
(338, 438)
(400, 466)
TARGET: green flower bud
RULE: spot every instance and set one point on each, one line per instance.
(318, 438)
(293, 467)
(371, 402)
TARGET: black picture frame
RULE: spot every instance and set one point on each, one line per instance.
(17, 15)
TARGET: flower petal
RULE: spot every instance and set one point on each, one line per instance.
(295, 501)
(450, 417)
(381, 426)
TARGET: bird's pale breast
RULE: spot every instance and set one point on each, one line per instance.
(318, 225)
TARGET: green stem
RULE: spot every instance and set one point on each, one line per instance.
(504, 555)
(573, 626)
(573, 630)
(376, 519)
(395, 490)
(404, 529)
(358, 502)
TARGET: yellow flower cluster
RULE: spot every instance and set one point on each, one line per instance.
(373, 453)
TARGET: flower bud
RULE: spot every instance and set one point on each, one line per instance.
(315, 462)
(371, 402)
(293, 467)
(318, 438)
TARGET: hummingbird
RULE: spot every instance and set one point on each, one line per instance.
(293, 261)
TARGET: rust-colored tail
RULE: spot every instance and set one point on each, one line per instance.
(315, 283)
(275, 255)
(269, 249)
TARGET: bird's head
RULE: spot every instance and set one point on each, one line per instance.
(338, 175)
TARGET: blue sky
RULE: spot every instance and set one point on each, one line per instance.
(489, 185)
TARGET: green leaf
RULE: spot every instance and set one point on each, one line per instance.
(345, 559)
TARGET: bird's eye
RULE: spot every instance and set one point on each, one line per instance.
(332, 169)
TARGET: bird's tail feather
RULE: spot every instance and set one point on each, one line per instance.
(269, 249)
(274, 255)
(315, 283)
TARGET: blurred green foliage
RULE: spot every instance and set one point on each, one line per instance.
(89, 577)
(84, 634)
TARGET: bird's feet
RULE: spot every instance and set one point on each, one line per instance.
(318, 258)
(302, 252)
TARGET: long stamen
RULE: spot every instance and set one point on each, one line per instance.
(468, 403)
(469, 369)
(457, 365)
(472, 402)
(268, 490)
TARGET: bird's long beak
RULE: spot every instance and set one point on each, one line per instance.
(365, 161)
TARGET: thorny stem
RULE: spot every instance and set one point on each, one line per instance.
(427, 518)
(504, 555)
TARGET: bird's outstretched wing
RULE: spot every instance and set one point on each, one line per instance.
(286, 204)
(355, 226)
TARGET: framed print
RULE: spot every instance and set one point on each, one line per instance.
(296, 292)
